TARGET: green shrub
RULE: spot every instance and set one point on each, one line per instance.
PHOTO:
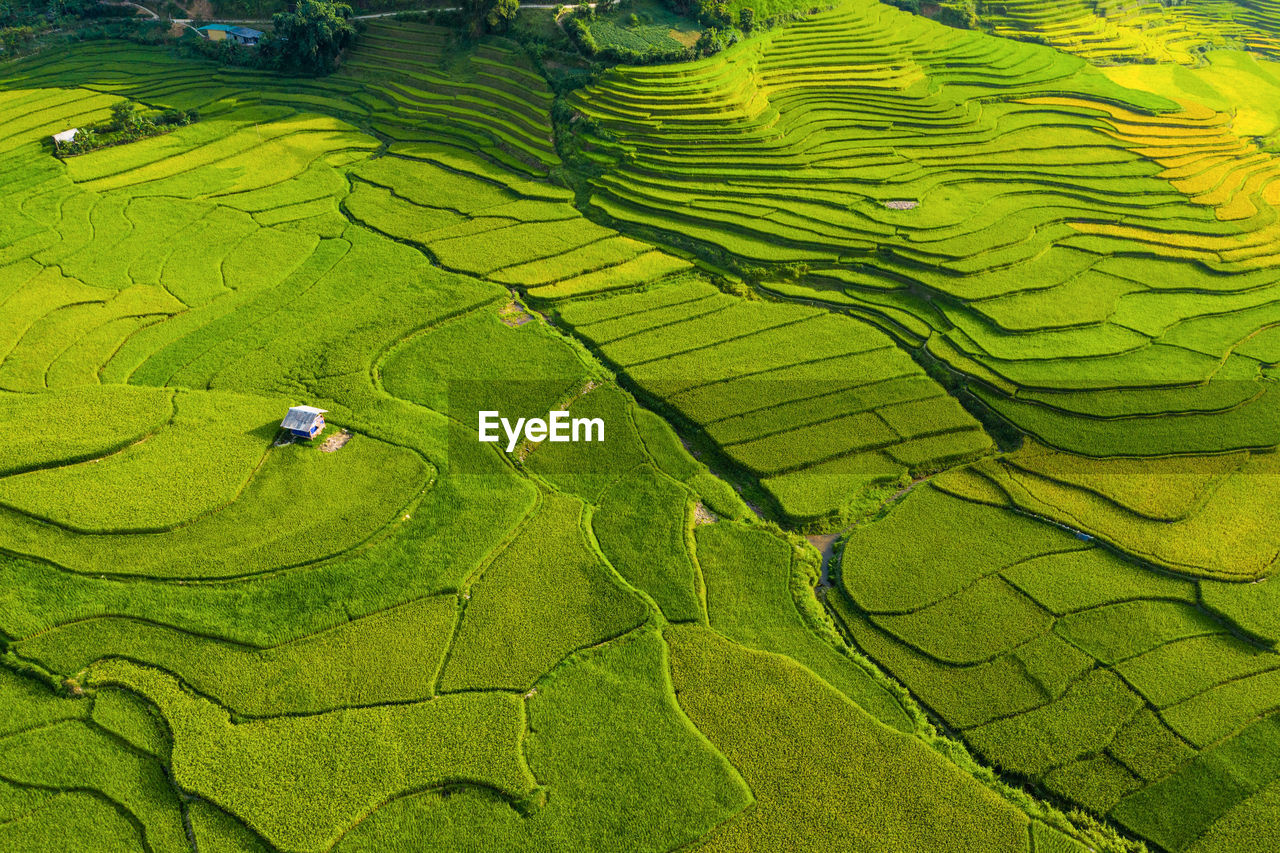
(310, 38)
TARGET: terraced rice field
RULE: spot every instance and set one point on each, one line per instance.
(1126, 32)
(1000, 324)
(1147, 697)
(1071, 242)
(819, 407)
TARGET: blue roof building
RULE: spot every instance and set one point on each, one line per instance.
(230, 32)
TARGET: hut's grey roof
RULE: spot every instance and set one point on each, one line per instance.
(301, 417)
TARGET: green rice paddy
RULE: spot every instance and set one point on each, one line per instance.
(994, 326)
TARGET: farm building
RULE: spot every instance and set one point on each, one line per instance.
(304, 421)
(227, 32)
(65, 137)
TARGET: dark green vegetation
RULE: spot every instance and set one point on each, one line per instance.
(803, 283)
(641, 31)
(126, 125)
(309, 38)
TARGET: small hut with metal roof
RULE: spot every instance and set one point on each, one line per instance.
(304, 421)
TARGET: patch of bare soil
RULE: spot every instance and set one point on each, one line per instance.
(902, 204)
(702, 515)
(335, 442)
(688, 38)
(513, 314)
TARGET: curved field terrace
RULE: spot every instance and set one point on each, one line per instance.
(855, 431)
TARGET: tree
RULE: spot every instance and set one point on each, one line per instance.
(747, 19)
(14, 38)
(71, 8)
(310, 39)
(491, 16)
(124, 116)
(501, 14)
(709, 42)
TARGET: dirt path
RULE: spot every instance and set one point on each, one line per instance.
(567, 7)
(153, 15)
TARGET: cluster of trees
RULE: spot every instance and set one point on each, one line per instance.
(127, 124)
(962, 14)
(717, 14)
(14, 39)
(719, 32)
(21, 21)
(473, 18)
(488, 16)
(308, 41)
